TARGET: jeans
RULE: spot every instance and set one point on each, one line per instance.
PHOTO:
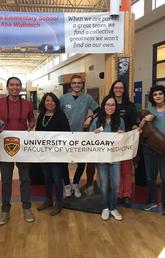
(53, 172)
(109, 175)
(154, 162)
(77, 175)
(6, 177)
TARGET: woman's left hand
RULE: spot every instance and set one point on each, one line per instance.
(98, 130)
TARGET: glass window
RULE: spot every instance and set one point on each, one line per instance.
(138, 9)
(159, 63)
(160, 70)
(157, 3)
(161, 53)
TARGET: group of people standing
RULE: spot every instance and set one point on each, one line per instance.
(70, 113)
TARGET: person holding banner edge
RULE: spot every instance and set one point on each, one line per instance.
(52, 118)
(155, 161)
(76, 106)
(17, 114)
(129, 114)
(108, 120)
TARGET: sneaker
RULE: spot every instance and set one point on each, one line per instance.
(116, 214)
(76, 191)
(150, 205)
(105, 214)
(46, 204)
(28, 215)
(4, 218)
(67, 190)
(127, 202)
(162, 210)
(89, 191)
(56, 209)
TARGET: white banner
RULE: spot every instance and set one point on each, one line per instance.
(23, 146)
(94, 33)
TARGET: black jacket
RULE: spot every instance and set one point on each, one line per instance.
(58, 122)
(129, 114)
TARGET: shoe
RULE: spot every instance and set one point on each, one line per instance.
(149, 206)
(45, 205)
(89, 191)
(127, 202)
(76, 191)
(116, 214)
(162, 210)
(28, 215)
(56, 209)
(4, 218)
(105, 214)
(67, 190)
(120, 200)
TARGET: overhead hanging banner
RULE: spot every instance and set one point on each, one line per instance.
(22, 32)
(94, 33)
(21, 146)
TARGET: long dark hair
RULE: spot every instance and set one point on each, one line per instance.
(42, 108)
(152, 90)
(115, 118)
(125, 97)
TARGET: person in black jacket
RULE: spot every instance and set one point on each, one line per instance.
(52, 118)
(129, 114)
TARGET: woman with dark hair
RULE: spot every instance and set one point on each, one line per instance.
(108, 120)
(52, 118)
(155, 161)
(129, 114)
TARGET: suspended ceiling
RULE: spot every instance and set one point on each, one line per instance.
(54, 5)
(21, 63)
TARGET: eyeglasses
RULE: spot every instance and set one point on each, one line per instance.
(118, 88)
(157, 94)
(110, 105)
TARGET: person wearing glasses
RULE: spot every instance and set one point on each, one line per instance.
(153, 160)
(128, 112)
(108, 120)
(76, 105)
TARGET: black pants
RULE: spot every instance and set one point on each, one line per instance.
(77, 175)
(90, 171)
(53, 174)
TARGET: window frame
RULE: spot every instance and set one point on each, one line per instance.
(132, 7)
(155, 63)
(154, 4)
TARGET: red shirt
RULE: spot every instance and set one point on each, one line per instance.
(14, 114)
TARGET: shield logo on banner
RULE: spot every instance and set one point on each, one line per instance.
(11, 145)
